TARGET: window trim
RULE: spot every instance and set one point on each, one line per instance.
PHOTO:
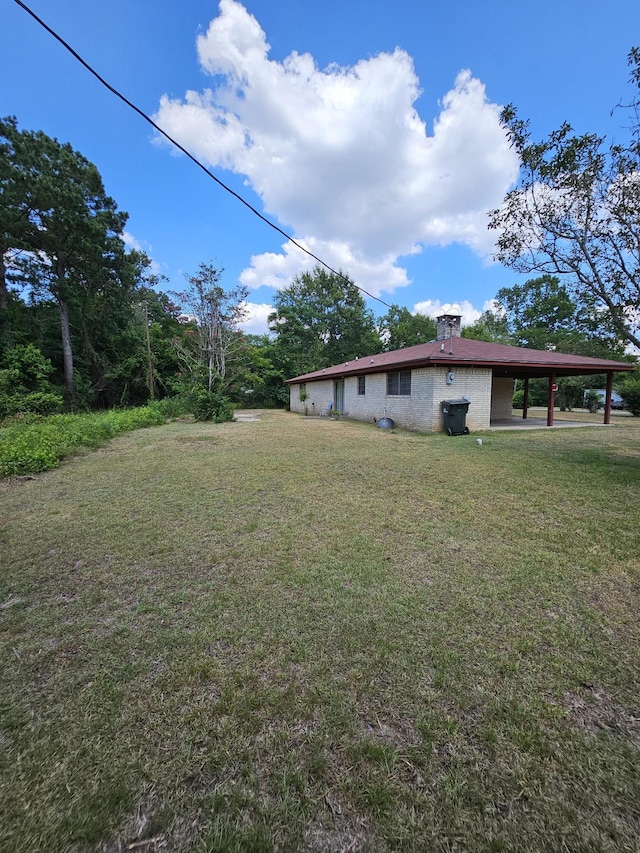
(362, 385)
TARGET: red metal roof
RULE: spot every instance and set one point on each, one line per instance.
(504, 360)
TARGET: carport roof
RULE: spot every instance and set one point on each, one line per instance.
(465, 352)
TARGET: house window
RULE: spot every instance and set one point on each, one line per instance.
(361, 385)
(399, 383)
(302, 391)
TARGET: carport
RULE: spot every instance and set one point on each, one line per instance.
(537, 364)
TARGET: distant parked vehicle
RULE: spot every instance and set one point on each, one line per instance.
(616, 400)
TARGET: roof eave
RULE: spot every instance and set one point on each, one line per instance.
(577, 368)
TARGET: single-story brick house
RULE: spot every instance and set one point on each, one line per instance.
(409, 385)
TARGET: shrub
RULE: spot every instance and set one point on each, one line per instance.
(31, 368)
(24, 385)
(38, 403)
(570, 393)
(592, 400)
(210, 406)
(225, 411)
(170, 407)
(30, 446)
(538, 393)
(630, 392)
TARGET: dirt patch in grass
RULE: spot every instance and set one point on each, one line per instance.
(597, 711)
(341, 837)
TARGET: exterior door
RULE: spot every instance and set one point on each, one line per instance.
(338, 396)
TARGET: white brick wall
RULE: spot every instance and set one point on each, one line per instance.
(320, 395)
(501, 398)
(471, 382)
(421, 411)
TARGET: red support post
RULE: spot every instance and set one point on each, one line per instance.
(525, 401)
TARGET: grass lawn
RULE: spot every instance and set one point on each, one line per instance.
(313, 635)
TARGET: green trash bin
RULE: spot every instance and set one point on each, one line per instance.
(455, 416)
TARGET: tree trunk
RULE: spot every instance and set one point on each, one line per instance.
(152, 387)
(5, 323)
(210, 369)
(67, 354)
(212, 342)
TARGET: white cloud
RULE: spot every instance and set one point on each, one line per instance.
(132, 242)
(340, 155)
(494, 307)
(433, 308)
(256, 318)
(277, 269)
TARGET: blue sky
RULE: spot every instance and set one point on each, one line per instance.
(365, 128)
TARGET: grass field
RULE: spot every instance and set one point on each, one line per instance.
(311, 635)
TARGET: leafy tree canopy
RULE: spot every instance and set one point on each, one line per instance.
(400, 328)
(321, 319)
(576, 213)
(542, 314)
(490, 326)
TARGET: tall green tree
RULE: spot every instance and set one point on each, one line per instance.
(321, 319)
(56, 212)
(576, 213)
(399, 328)
(538, 313)
(16, 182)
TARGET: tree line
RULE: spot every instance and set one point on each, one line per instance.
(84, 323)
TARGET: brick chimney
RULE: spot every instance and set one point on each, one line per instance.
(448, 324)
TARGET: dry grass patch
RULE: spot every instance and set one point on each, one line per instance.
(301, 634)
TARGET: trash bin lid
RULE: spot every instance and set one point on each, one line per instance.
(461, 402)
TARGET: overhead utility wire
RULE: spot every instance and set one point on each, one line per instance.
(191, 157)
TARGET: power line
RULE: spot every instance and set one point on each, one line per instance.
(191, 157)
